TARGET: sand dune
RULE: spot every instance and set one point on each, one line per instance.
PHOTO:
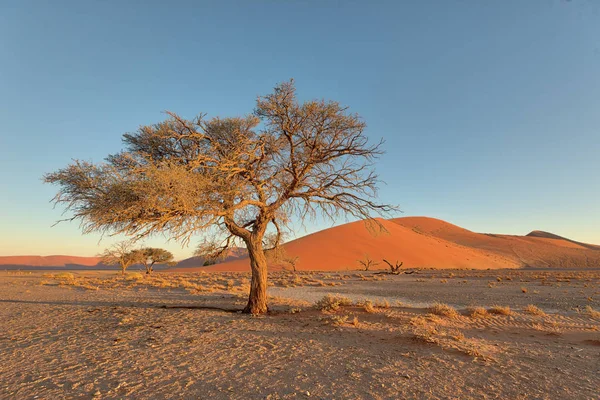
(537, 249)
(49, 261)
(340, 248)
(232, 254)
(419, 242)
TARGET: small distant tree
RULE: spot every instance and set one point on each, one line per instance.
(367, 263)
(234, 177)
(149, 256)
(394, 269)
(120, 254)
(291, 261)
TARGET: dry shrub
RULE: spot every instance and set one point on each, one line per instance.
(533, 310)
(65, 276)
(523, 289)
(368, 307)
(332, 303)
(339, 319)
(500, 310)
(134, 276)
(444, 310)
(382, 304)
(478, 312)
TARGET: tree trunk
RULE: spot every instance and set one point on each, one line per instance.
(149, 268)
(257, 301)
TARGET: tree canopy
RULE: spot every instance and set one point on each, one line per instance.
(148, 256)
(233, 178)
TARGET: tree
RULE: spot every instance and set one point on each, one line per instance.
(120, 254)
(394, 269)
(233, 178)
(149, 256)
(367, 262)
(292, 261)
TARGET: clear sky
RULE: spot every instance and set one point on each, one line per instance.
(490, 109)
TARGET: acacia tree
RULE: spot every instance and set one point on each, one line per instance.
(148, 256)
(120, 254)
(367, 262)
(234, 178)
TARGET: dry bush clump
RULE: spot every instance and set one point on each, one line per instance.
(444, 310)
(65, 276)
(339, 319)
(500, 310)
(533, 310)
(478, 312)
(382, 303)
(332, 303)
(134, 276)
(368, 307)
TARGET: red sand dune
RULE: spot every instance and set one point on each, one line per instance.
(538, 249)
(48, 261)
(340, 248)
(232, 254)
(419, 242)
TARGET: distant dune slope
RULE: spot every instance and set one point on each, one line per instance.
(419, 242)
(340, 248)
(49, 261)
(538, 249)
(192, 262)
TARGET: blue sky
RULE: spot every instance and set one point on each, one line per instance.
(490, 110)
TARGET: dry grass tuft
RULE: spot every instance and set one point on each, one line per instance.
(444, 310)
(332, 303)
(65, 276)
(134, 276)
(382, 304)
(339, 319)
(368, 307)
(478, 312)
(500, 310)
(533, 310)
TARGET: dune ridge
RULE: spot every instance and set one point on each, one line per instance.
(537, 249)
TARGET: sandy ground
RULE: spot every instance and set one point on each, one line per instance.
(100, 336)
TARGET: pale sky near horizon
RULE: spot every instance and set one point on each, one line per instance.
(490, 110)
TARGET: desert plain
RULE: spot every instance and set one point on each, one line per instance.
(468, 316)
(505, 334)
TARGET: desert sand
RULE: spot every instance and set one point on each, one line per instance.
(43, 261)
(537, 249)
(102, 336)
